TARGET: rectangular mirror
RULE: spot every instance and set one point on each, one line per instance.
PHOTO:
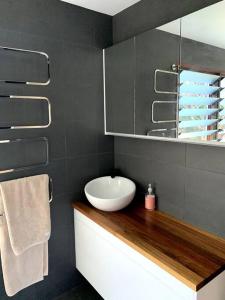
(169, 82)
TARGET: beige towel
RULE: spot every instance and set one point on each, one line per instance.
(24, 270)
(24, 231)
(26, 208)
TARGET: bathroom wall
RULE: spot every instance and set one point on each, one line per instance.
(147, 14)
(73, 37)
(189, 179)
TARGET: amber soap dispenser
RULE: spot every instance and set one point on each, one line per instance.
(150, 199)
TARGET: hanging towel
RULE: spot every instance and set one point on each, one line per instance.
(26, 208)
(24, 231)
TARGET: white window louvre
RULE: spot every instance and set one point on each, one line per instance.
(191, 112)
(197, 134)
(200, 100)
(198, 89)
(198, 77)
(197, 123)
(201, 105)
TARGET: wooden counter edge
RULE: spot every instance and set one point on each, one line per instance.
(80, 206)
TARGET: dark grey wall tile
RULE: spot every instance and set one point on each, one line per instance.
(167, 179)
(59, 211)
(104, 37)
(169, 188)
(106, 164)
(135, 169)
(204, 200)
(104, 143)
(57, 172)
(147, 15)
(79, 171)
(81, 138)
(172, 153)
(206, 158)
(84, 168)
(193, 192)
(81, 101)
(57, 142)
(82, 62)
(47, 18)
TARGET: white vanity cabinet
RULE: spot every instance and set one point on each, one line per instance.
(119, 272)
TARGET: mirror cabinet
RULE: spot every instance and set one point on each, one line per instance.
(169, 82)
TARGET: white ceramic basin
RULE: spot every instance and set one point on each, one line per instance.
(110, 194)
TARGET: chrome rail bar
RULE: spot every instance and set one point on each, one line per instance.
(33, 52)
(27, 167)
(11, 97)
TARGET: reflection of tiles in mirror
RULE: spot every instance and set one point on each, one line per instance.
(28, 98)
(10, 51)
(23, 154)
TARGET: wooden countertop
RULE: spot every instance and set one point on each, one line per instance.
(191, 255)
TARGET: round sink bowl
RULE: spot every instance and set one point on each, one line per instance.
(110, 194)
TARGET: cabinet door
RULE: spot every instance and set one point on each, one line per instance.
(156, 49)
(117, 271)
(202, 108)
(119, 87)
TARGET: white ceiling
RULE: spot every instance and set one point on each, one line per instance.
(206, 25)
(109, 7)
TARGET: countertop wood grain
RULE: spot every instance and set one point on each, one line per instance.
(193, 256)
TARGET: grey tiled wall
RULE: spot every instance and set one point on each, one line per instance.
(146, 15)
(73, 37)
(189, 179)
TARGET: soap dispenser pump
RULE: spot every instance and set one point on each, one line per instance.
(150, 199)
